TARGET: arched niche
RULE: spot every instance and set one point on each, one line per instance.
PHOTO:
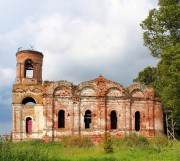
(114, 92)
(28, 101)
(87, 91)
(62, 91)
(137, 93)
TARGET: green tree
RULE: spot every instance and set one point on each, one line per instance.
(162, 37)
(161, 27)
(147, 76)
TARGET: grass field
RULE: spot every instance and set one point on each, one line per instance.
(135, 148)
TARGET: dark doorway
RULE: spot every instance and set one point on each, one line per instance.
(87, 119)
(113, 120)
(61, 119)
(28, 125)
(137, 121)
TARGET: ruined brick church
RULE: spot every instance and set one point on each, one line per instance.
(51, 109)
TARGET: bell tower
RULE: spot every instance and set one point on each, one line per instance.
(27, 96)
(29, 67)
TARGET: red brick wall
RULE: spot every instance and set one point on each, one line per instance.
(100, 96)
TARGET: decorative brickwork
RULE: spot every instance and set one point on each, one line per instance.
(49, 110)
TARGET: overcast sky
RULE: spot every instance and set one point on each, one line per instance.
(80, 40)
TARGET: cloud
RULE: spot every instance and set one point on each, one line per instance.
(7, 75)
(90, 40)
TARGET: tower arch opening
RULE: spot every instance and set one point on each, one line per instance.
(28, 101)
(28, 72)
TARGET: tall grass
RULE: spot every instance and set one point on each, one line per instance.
(9, 152)
(131, 147)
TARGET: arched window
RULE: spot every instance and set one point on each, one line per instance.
(28, 125)
(137, 121)
(28, 73)
(113, 120)
(87, 119)
(28, 101)
(61, 119)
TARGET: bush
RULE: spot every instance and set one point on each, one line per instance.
(76, 141)
(108, 145)
(135, 140)
(159, 141)
(86, 142)
(131, 140)
(5, 139)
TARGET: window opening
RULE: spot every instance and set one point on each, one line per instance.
(28, 69)
(137, 121)
(113, 120)
(61, 119)
(28, 125)
(29, 101)
(87, 119)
